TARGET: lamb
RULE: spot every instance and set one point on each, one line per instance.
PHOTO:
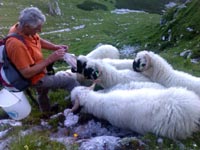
(159, 70)
(106, 74)
(172, 112)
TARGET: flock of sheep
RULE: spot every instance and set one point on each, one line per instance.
(143, 95)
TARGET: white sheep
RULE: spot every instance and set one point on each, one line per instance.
(172, 112)
(108, 75)
(159, 70)
(133, 85)
(110, 55)
(104, 51)
(120, 63)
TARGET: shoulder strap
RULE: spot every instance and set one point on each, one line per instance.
(5, 56)
(17, 36)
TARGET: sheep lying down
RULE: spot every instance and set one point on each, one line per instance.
(119, 64)
(104, 51)
(172, 112)
(133, 85)
(159, 70)
(107, 75)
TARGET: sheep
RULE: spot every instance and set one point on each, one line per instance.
(133, 85)
(172, 112)
(159, 70)
(111, 55)
(106, 74)
(107, 53)
(101, 52)
(104, 51)
(119, 63)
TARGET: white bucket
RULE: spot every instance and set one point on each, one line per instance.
(15, 104)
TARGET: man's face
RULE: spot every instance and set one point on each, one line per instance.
(32, 31)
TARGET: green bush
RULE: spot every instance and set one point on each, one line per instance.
(89, 6)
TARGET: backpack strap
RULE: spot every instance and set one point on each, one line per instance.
(15, 35)
(8, 65)
(5, 55)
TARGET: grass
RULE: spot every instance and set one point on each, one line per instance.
(37, 141)
(100, 26)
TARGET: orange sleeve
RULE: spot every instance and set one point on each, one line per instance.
(18, 53)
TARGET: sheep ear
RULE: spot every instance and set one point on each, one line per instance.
(100, 71)
(148, 59)
(92, 86)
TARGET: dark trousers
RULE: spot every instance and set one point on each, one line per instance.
(52, 82)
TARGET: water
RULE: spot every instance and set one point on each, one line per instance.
(128, 51)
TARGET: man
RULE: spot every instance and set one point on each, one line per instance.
(28, 57)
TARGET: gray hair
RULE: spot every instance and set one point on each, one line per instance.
(31, 16)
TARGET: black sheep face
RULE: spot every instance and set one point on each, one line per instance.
(136, 65)
(80, 67)
(142, 61)
(91, 73)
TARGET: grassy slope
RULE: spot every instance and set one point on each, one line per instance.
(154, 6)
(100, 26)
(178, 20)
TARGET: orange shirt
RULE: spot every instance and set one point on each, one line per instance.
(24, 55)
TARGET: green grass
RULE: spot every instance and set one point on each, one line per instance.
(35, 141)
(100, 26)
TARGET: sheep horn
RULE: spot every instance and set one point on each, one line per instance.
(148, 61)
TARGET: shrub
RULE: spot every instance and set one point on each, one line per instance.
(89, 6)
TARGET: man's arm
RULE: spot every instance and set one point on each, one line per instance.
(30, 71)
(50, 46)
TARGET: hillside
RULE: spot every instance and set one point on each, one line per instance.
(180, 26)
(153, 6)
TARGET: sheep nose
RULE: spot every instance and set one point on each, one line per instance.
(91, 73)
(136, 65)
